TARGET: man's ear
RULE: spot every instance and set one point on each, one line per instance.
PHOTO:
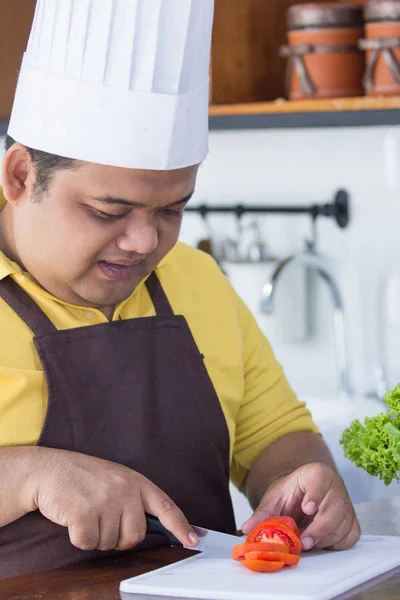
(18, 175)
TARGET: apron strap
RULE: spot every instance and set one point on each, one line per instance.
(158, 297)
(27, 308)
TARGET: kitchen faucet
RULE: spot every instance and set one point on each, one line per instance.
(310, 260)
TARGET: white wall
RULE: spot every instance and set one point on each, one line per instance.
(304, 166)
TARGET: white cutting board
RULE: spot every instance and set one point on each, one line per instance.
(319, 575)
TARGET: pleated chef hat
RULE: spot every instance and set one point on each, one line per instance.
(117, 82)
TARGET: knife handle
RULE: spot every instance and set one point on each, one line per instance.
(156, 527)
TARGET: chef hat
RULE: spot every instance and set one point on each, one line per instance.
(117, 82)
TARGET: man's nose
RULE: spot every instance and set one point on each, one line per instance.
(140, 238)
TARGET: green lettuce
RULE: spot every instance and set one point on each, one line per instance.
(375, 445)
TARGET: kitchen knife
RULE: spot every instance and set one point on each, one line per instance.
(213, 542)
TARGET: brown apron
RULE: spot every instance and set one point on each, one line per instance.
(135, 392)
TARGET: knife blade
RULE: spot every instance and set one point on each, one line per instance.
(214, 543)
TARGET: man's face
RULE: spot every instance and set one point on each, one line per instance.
(98, 231)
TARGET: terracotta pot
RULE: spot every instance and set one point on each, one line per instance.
(323, 54)
(246, 65)
(382, 45)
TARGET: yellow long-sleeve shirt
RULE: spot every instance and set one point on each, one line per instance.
(256, 399)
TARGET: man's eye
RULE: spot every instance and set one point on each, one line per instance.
(107, 216)
(172, 213)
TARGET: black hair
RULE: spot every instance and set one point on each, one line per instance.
(45, 165)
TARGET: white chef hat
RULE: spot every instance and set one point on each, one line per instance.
(117, 82)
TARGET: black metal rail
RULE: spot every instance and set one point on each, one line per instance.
(338, 209)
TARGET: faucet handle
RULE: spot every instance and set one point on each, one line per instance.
(381, 386)
(380, 381)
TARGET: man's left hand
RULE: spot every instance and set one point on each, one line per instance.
(316, 498)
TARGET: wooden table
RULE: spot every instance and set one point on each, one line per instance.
(100, 580)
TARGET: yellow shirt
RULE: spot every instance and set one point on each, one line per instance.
(258, 403)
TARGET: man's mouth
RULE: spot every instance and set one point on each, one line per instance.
(121, 270)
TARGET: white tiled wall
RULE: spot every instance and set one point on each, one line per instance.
(303, 167)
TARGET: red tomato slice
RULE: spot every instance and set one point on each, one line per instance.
(287, 559)
(287, 521)
(240, 550)
(274, 531)
(262, 566)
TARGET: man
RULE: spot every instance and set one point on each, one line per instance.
(134, 380)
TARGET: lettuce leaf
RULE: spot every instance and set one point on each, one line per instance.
(375, 445)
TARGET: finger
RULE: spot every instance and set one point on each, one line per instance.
(132, 529)
(109, 532)
(84, 533)
(349, 540)
(334, 518)
(257, 517)
(337, 534)
(157, 503)
(315, 482)
(271, 505)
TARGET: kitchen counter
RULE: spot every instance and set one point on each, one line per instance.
(100, 580)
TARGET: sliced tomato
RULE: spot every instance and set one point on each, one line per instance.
(281, 520)
(240, 550)
(287, 521)
(262, 566)
(276, 532)
(287, 559)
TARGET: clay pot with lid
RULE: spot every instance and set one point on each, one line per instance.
(324, 60)
(382, 46)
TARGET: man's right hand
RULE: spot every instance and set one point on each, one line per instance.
(102, 503)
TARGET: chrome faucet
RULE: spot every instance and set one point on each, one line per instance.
(310, 260)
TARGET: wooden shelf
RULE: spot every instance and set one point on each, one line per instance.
(338, 112)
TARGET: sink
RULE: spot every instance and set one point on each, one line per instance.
(332, 415)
